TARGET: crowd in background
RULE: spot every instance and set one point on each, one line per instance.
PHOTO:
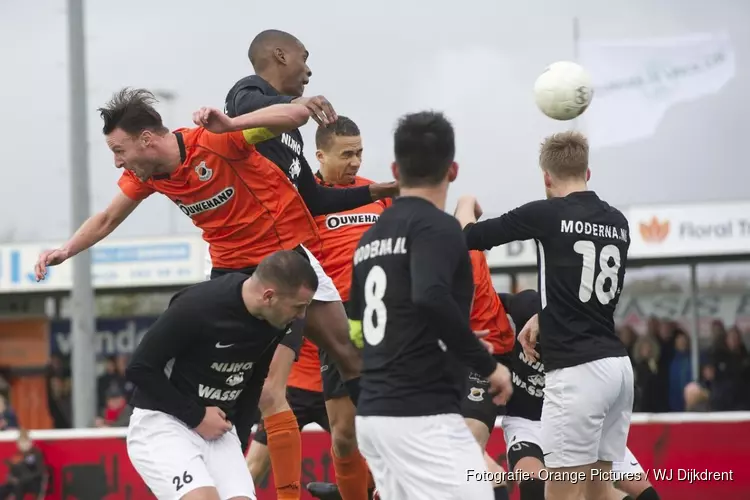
(663, 369)
(662, 365)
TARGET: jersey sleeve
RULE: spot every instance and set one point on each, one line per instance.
(251, 98)
(530, 221)
(178, 327)
(432, 286)
(134, 188)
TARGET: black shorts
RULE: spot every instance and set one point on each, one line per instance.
(293, 340)
(478, 401)
(308, 406)
(333, 384)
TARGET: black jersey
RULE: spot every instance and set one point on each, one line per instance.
(286, 151)
(528, 376)
(582, 250)
(412, 290)
(206, 349)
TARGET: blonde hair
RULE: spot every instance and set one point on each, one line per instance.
(565, 155)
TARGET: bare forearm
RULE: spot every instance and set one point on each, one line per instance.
(275, 117)
(91, 232)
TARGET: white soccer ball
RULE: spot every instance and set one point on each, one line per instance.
(563, 91)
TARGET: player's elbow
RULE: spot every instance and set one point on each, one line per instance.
(136, 372)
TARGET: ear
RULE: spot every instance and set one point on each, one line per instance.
(547, 180)
(395, 172)
(279, 55)
(452, 172)
(268, 294)
(588, 174)
(146, 137)
(320, 155)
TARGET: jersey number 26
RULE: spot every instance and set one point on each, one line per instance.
(591, 283)
(375, 314)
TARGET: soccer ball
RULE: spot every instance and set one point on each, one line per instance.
(563, 91)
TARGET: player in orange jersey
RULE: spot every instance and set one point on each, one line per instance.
(488, 316)
(245, 205)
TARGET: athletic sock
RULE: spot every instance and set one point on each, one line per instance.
(351, 476)
(285, 449)
(501, 493)
(531, 489)
(648, 494)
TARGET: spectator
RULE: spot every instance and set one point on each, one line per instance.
(122, 365)
(718, 335)
(8, 419)
(114, 408)
(732, 366)
(26, 470)
(628, 337)
(646, 371)
(665, 337)
(696, 397)
(58, 393)
(107, 381)
(680, 371)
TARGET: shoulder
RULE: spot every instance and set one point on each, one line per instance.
(252, 83)
(362, 181)
(430, 219)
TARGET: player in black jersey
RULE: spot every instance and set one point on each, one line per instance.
(582, 246)
(411, 296)
(199, 371)
(521, 425)
(280, 63)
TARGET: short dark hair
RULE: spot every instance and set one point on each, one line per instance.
(342, 127)
(288, 270)
(262, 45)
(424, 146)
(132, 111)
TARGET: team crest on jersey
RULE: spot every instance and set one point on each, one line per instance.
(476, 394)
(204, 173)
(211, 203)
(235, 379)
(336, 221)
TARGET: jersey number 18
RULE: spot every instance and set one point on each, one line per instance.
(375, 314)
(609, 270)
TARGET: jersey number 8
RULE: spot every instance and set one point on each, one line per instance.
(608, 271)
(375, 314)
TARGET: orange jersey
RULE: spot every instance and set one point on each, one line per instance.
(487, 312)
(245, 205)
(305, 372)
(340, 233)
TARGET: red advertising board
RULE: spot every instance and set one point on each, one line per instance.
(97, 466)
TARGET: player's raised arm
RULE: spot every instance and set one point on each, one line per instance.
(96, 228)
(165, 340)
(321, 200)
(523, 223)
(432, 290)
(257, 126)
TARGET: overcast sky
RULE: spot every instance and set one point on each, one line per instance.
(375, 60)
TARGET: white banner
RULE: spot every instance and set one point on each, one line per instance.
(637, 81)
(690, 230)
(146, 262)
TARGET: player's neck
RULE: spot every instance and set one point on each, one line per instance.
(250, 298)
(171, 153)
(273, 79)
(563, 190)
(434, 194)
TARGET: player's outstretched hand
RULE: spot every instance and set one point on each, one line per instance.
(213, 120)
(481, 334)
(501, 387)
(528, 338)
(49, 258)
(214, 424)
(320, 108)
